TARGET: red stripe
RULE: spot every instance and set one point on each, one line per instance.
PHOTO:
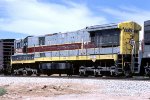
(59, 47)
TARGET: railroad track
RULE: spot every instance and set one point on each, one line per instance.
(138, 78)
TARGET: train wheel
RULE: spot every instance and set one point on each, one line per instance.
(29, 73)
(38, 74)
(20, 73)
(114, 74)
(80, 74)
(14, 72)
(127, 74)
(96, 75)
(48, 74)
(85, 74)
(101, 75)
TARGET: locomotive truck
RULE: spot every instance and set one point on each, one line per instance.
(110, 49)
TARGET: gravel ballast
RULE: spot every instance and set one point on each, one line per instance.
(35, 88)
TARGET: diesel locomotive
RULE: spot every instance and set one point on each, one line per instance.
(110, 49)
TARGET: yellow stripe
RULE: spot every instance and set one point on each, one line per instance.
(22, 61)
(97, 57)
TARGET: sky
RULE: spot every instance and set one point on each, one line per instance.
(20, 18)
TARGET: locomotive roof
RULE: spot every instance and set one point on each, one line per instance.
(90, 29)
(102, 27)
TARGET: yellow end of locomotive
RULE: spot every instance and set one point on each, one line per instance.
(129, 37)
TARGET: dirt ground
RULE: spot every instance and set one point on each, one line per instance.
(42, 91)
(67, 90)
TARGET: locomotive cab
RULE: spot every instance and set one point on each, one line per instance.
(123, 37)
